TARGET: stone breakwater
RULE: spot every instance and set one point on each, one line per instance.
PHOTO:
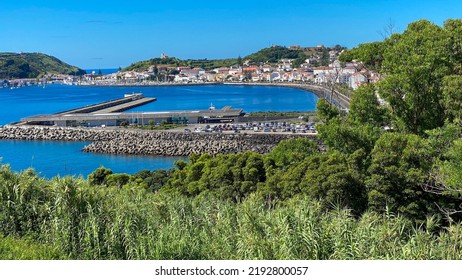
(159, 143)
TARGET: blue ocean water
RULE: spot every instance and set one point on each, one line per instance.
(64, 158)
(50, 159)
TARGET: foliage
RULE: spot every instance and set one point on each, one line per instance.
(145, 64)
(340, 135)
(325, 111)
(398, 170)
(78, 221)
(13, 248)
(452, 96)
(365, 108)
(421, 71)
(32, 65)
(231, 177)
(370, 54)
(155, 179)
(450, 169)
(99, 176)
(274, 54)
(206, 64)
(292, 151)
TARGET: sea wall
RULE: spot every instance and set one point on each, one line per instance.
(160, 143)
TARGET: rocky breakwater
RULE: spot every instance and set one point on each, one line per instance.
(53, 133)
(142, 142)
(185, 144)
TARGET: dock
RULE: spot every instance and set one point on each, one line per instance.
(128, 102)
(111, 113)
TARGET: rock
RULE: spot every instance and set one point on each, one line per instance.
(139, 142)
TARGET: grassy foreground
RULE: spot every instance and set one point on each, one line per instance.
(66, 218)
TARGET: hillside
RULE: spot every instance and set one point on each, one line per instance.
(172, 61)
(267, 55)
(33, 65)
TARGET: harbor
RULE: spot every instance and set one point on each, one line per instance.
(113, 113)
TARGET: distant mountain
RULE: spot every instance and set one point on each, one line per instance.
(33, 65)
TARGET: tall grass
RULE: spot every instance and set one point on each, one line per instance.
(80, 221)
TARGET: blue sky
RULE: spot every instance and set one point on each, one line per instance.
(108, 34)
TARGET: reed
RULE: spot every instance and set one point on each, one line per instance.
(73, 219)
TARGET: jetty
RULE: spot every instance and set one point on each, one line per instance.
(112, 113)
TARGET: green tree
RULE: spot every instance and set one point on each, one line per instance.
(370, 55)
(449, 175)
(452, 96)
(98, 177)
(415, 63)
(338, 134)
(326, 111)
(118, 180)
(365, 108)
(399, 168)
(336, 182)
(292, 151)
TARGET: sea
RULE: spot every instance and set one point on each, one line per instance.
(51, 159)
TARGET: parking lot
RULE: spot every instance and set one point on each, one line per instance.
(254, 127)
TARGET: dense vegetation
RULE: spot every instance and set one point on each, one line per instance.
(206, 64)
(274, 54)
(33, 65)
(72, 218)
(366, 192)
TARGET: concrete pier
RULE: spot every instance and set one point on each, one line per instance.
(117, 105)
(111, 113)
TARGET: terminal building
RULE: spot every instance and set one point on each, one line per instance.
(111, 113)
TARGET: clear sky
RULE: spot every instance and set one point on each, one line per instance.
(108, 34)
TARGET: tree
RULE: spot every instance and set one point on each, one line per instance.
(325, 111)
(98, 177)
(452, 96)
(335, 182)
(365, 108)
(398, 171)
(292, 151)
(325, 57)
(340, 135)
(453, 28)
(118, 180)
(415, 63)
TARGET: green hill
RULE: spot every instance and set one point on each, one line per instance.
(207, 64)
(33, 65)
(274, 54)
(267, 55)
